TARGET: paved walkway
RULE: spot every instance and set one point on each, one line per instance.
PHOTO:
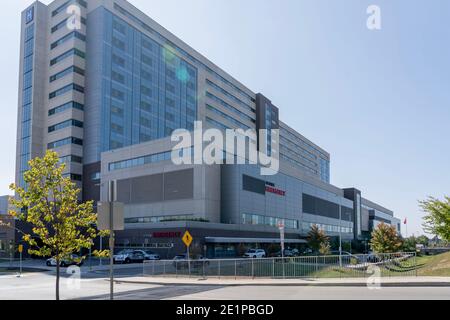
(388, 282)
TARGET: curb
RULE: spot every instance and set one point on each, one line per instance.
(355, 284)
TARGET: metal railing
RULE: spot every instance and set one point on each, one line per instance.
(345, 266)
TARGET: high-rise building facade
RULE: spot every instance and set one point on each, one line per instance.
(105, 86)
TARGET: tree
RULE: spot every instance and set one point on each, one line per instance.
(423, 240)
(437, 220)
(316, 237)
(385, 239)
(325, 248)
(49, 203)
(409, 244)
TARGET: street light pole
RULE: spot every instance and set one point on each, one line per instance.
(340, 236)
(112, 195)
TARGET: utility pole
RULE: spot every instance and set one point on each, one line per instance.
(340, 236)
(112, 199)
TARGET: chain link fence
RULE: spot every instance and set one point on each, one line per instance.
(345, 266)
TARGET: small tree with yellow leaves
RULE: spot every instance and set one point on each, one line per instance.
(49, 203)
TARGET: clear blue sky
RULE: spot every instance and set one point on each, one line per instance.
(378, 101)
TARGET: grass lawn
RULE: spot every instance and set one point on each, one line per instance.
(438, 265)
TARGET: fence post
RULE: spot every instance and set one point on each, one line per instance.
(415, 264)
(253, 271)
(317, 266)
(219, 269)
(273, 268)
(153, 272)
(176, 269)
(164, 268)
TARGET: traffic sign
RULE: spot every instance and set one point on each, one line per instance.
(187, 239)
(20, 248)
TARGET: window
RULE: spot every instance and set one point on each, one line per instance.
(118, 77)
(253, 185)
(67, 54)
(229, 95)
(118, 60)
(118, 44)
(119, 27)
(66, 106)
(147, 60)
(229, 107)
(66, 89)
(66, 72)
(65, 124)
(63, 7)
(119, 95)
(63, 142)
(71, 158)
(63, 23)
(67, 37)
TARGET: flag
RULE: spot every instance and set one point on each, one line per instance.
(406, 221)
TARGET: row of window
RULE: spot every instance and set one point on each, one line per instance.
(291, 145)
(65, 72)
(140, 161)
(64, 142)
(25, 148)
(229, 107)
(73, 176)
(287, 150)
(63, 23)
(159, 219)
(63, 7)
(66, 106)
(237, 123)
(298, 163)
(71, 158)
(255, 219)
(229, 95)
(298, 141)
(69, 53)
(67, 37)
(306, 226)
(171, 46)
(66, 89)
(65, 124)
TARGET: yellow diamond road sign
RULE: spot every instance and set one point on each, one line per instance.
(187, 239)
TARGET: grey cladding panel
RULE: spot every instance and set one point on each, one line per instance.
(157, 188)
(179, 185)
(124, 191)
(147, 189)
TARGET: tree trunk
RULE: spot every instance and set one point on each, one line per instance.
(57, 278)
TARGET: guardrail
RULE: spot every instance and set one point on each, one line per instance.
(349, 266)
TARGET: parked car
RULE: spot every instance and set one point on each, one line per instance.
(129, 256)
(149, 255)
(73, 260)
(347, 255)
(288, 253)
(181, 262)
(255, 253)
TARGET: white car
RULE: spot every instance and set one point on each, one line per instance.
(149, 255)
(129, 256)
(255, 253)
(73, 260)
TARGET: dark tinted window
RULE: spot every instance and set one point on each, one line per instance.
(253, 185)
(324, 208)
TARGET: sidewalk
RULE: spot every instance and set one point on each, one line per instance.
(347, 282)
